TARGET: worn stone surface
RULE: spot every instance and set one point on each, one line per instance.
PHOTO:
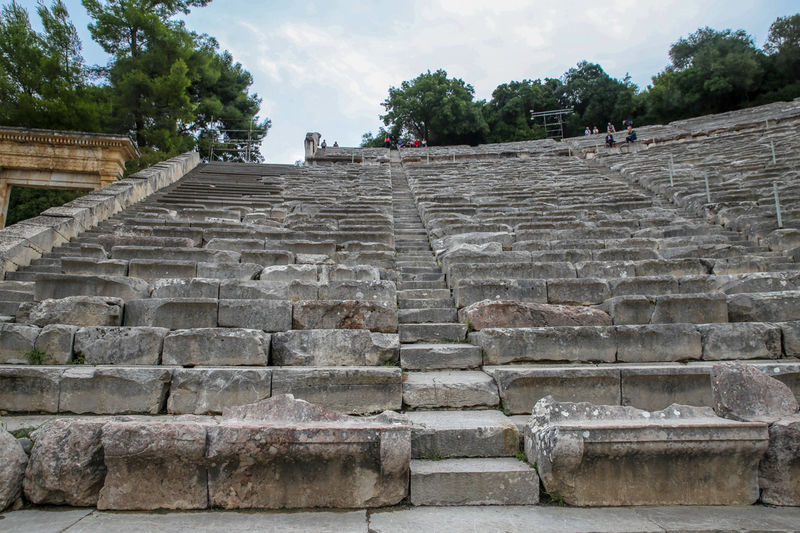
(746, 340)
(113, 390)
(764, 306)
(209, 390)
(30, 389)
(334, 347)
(609, 455)
(67, 463)
(12, 469)
(120, 346)
(791, 338)
(266, 315)
(306, 456)
(77, 311)
(172, 313)
(16, 341)
(56, 341)
(512, 345)
(216, 346)
(690, 308)
(376, 291)
(511, 314)
(154, 465)
(449, 389)
(186, 288)
(658, 342)
(54, 286)
(461, 433)
(779, 469)
(344, 314)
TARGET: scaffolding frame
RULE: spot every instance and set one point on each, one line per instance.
(254, 137)
(553, 121)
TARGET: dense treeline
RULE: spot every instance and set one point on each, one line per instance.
(170, 89)
(710, 72)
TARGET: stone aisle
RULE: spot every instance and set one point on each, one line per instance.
(450, 401)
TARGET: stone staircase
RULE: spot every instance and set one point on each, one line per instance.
(458, 285)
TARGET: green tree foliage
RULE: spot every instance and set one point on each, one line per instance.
(782, 62)
(26, 202)
(508, 113)
(437, 108)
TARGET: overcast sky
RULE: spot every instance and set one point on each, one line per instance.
(327, 66)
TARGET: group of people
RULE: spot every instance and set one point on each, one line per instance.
(325, 144)
(630, 136)
(416, 143)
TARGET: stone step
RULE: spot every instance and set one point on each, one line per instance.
(489, 481)
(463, 433)
(403, 285)
(8, 308)
(409, 294)
(421, 316)
(440, 356)
(449, 389)
(424, 303)
(432, 332)
(20, 276)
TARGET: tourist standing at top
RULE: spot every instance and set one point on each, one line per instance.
(424, 142)
(336, 144)
(587, 131)
(387, 141)
(610, 128)
(324, 144)
(595, 131)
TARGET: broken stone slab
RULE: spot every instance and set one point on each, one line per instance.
(172, 313)
(268, 258)
(119, 345)
(344, 314)
(654, 386)
(113, 390)
(743, 392)
(356, 390)
(66, 465)
(599, 455)
(521, 386)
(56, 341)
(334, 347)
(778, 472)
(76, 311)
(563, 343)
(216, 346)
(16, 341)
(512, 314)
(209, 390)
(740, 340)
(306, 456)
(55, 286)
(154, 465)
(266, 315)
(29, 389)
(12, 469)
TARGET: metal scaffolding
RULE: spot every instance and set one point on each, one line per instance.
(553, 121)
(245, 147)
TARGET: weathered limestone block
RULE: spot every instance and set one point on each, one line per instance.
(690, 308)
(334, 347)
(12, 468)
(344, 314)
(634, 309)
(592, 455)
(172, 313)
(351, 272)
(487, 433)
(29, 389)
(54, 286)
(583, 291)
(266, 315)
(374, 291)
(511, 314)
(66, 465)
(522, 386)
(88, 266)
(241, 271)
(216, 346)
(779, 470)
(306, 456)
(655, 386)
(268, 258)
(605, 270)
(504, 271)
(449, 389)
(452, 242)
(120, 346)
(782, 239)
(56, 341)
(658, 342)
(791, 338)
(514, 345)
(764, 307)
(235, 245)
(468, 291)
(109, 241)
(674, 267)
(186, 288)
(254, 290)
(155, 269)
(156, 253)
(15, 342)
(113, 390)
(289, 273)
(742, 392)
(645, 285)
(154, 465)
(77, 311)
(356, 390)
(209, 390)
(743, 340)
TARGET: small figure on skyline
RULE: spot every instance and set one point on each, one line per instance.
(610, 128)
(336, 144)
(324, 144)
(416, 143)
(587, 131)
(387, 141)
(424, 142)
(595, 131)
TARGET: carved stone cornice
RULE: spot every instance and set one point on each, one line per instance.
(69, 138)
